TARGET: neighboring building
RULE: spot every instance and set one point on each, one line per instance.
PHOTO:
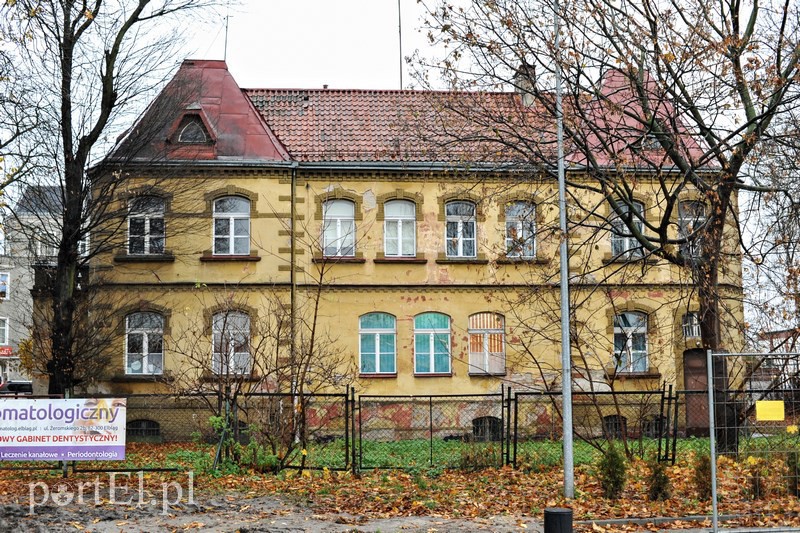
(28, 243)
(416, 268)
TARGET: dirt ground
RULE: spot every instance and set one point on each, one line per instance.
(229, 514)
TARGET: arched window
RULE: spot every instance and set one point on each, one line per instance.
(192, 131)
(623, 243)
(231, 343)
(377, 343)
(630, 342)
(338, 228)
(521, 230)
(146, 226)
(232, 226)
(487, 352)
(144, 343)
(432, 343)
(400, 228)
(460, 229)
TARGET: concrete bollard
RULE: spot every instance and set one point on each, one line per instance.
(557, 520)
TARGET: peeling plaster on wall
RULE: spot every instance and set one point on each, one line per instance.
(369, 200)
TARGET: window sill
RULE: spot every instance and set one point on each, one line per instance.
(486, 374)
(144, 258)
(402, 260)
(140, 378)
(622, 376)
(337, 259)
(522, 260)
(209, 377)
(433, 375)
(462, 261)
(608, 259)
(379, 375)
(207, 256)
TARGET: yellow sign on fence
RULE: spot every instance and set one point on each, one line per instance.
(769, 411)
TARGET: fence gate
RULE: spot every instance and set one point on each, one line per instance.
(754, 408)
(452, 431)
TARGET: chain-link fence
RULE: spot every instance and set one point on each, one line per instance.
(338, 431)
(639, 421)
(455, 431)
(756, 406)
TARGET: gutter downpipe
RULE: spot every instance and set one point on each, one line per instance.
(566, 354)
(292, 274)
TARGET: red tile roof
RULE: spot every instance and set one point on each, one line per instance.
(370, 125)
(205, 89)
(331, 125)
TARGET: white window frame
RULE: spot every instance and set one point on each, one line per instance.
(377, 333)
(5, 279)
(625, 360)
(461, 221)
(146, 355)
(690, 324)
(343, 243)
(400, 221)
(431, 334)
(230, 236)
(479, 362)
(148, 215)
(524, 228)
(4, 331)
(224, 323)
(627, 246)
(688, 224)
(196, 124)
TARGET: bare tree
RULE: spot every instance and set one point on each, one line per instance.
(681, 94)
(92, 63)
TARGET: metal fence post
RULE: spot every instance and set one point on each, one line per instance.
(347, 427)
(353, 418)
(712, 442)
(430, 420)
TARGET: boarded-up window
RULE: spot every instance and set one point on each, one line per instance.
(487, 352)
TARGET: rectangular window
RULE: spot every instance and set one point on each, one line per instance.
(400, 227)
(623, 243)
(460, 229)
(231, 226)
(521, 230)
(146, 226)
(4, 285)
(338, 228)
(4, 331)
(231, 343)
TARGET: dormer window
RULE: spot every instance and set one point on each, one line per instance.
(192, 131)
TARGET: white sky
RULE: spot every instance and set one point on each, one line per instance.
(346, 44)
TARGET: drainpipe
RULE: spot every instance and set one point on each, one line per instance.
(292, 275)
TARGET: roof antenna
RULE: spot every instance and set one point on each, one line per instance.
(400, 39)
(227, 16)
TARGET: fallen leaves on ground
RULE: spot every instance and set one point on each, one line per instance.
(445, 494)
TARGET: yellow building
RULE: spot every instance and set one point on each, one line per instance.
(321, 238)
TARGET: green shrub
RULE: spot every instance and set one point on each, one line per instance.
(659, 485)
(702, 475)
(613, 471)
(476, 457)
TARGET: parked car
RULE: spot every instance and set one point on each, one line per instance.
(16, 387)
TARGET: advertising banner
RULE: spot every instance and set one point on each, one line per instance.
(75, 429)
